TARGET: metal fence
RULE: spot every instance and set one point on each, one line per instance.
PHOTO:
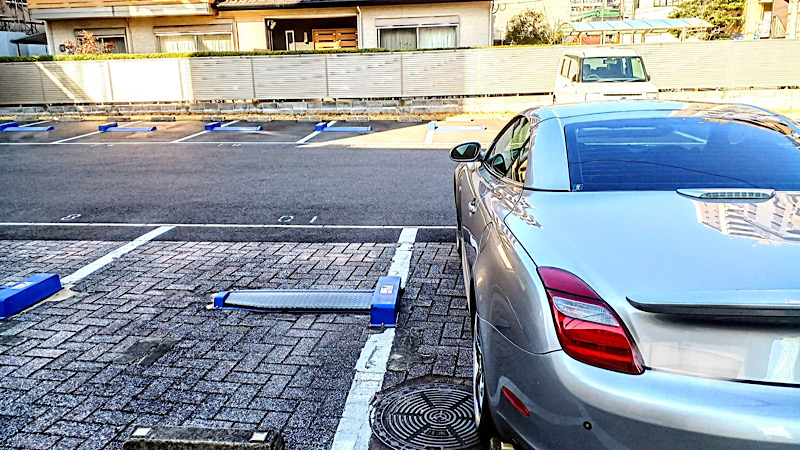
(491, 71)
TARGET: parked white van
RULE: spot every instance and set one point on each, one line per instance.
(595, 74)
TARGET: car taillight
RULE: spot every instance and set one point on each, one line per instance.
(587, 327)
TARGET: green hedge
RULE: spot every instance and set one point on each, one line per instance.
(104, 56)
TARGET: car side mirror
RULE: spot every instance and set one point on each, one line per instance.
(466, 152)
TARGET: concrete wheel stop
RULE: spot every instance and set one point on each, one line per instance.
(145, 437)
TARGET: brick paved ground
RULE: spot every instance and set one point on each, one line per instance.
(19, 259)
(434, 339)
(66, 380)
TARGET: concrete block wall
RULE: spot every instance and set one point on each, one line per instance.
(786, 100)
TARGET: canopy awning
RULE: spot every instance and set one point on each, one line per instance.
(34, 39)
(632, 26)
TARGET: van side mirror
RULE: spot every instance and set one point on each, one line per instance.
(466, 152)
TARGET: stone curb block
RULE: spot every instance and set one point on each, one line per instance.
(194, 438)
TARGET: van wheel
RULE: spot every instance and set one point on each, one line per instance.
(554, 99)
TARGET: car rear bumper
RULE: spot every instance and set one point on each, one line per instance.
(574, 405)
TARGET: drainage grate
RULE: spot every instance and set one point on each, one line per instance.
(434, 416)
(285, 300)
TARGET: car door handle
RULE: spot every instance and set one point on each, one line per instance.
(473, 206)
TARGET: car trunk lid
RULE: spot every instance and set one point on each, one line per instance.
(707, 288)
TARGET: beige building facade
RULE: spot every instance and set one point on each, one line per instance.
(771, 19)
(151, 26)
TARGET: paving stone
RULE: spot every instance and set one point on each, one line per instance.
(32, 441)
(240, 415)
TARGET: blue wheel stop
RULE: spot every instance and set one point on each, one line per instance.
(380, 303)
(18, 296)
(383, 310)
(14, 126)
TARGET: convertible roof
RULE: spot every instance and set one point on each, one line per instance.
(709, 111)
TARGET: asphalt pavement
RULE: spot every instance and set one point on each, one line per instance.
(76, 175)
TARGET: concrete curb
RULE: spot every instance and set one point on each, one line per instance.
(406, 110)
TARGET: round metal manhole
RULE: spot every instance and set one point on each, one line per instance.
(433, 416)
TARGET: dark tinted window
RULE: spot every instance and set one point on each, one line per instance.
(674, 153)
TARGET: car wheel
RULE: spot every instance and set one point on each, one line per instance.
(480, 403)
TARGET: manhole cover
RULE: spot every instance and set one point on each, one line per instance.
(433, 416)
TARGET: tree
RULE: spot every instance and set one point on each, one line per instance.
(530, 27)
(87, 43)
(724, 15)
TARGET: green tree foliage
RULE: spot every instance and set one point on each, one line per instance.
(530, 27)
(724, 15)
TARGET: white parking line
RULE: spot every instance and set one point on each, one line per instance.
(401, 262)
(103, 261)
(429, 135)
(353, 432)
(92, 133)
(34, 123)
(200, 133)
(311, 136)
(223, 225)
(149, 143)
(360, 145)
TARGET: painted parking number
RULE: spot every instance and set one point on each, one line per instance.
(70, 217)
(287, 219)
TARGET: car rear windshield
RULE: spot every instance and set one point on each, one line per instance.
(659, 154)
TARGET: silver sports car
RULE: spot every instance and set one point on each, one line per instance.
(633, 273)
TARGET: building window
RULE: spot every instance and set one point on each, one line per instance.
(117, 43)
(183, 43)
(113, 36)
(661, 3)
(408, 38)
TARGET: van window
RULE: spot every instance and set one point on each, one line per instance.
(573, 68)
(564, 67)
(616, 68)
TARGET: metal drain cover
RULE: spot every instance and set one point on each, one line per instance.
(432, 416)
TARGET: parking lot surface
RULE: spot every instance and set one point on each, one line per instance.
(133, 342)
(279, 132)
